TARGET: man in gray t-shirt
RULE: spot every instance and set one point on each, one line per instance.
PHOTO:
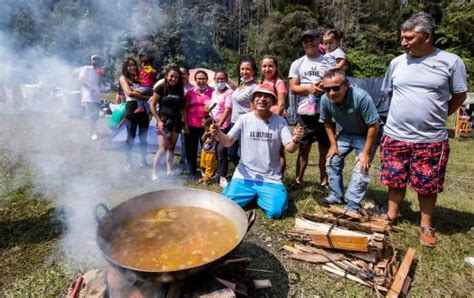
(305, 84)
(426, 85)
(261, 134)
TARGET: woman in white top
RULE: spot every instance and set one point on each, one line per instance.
(247, 72)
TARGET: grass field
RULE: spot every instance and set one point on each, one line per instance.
(33, 264)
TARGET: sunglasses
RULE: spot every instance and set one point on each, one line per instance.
(336, 88)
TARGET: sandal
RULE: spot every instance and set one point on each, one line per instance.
(428, 237)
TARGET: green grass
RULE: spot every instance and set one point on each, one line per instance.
(32, 265)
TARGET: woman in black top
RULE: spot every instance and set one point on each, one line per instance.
(169, 119)
(129, 82)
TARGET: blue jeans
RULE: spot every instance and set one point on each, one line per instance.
(359, 180)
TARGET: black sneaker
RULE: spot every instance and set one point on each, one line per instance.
(330, 201)
(294, 185)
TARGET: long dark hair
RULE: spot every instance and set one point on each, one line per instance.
(125, 73)
(251, 60)
(179, 85)
(276, 76)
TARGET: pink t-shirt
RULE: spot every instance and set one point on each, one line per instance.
(280, 88)
(196, 103)
(222, 100)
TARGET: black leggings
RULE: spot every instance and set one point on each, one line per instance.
(132, 120)
(223, 158)
(233, 150)
(192, 139)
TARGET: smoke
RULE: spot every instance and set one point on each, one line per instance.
(42, 45)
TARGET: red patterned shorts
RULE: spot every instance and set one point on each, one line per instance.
(420, 165)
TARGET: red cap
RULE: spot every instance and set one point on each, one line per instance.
(264, 88)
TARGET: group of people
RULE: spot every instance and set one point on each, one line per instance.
(245, 123)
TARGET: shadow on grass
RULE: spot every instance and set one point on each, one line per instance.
(261, 259)
(262, 265)
(37, 229)
(447, 221)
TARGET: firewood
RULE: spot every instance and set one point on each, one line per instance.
(406, 285)
(262, 283)
(338, 271)
(298, 235)
(324, 252)
(349, 242)
(222, 293)
(305, 228)
(338, 211)
(309, 257)
(291, 249)
(399, 280)
(371, 256)
(355, 226)
(324, 228)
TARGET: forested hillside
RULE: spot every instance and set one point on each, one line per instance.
(215, 33)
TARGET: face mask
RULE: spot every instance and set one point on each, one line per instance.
(203, 89)
(221, 85)
(242, 80)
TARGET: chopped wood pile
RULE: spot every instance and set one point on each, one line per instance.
(355, 246)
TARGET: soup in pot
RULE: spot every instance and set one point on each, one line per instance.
(173, 238)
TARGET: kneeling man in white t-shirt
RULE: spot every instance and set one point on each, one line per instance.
(261, 134)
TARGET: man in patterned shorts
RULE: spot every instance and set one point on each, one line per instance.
(426, 85)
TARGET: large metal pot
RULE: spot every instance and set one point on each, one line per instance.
(114, 219)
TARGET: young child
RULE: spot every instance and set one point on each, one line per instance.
(146, 77)
(208, 151)
(335, 58)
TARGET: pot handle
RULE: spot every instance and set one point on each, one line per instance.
(102, 206)
(251, 219)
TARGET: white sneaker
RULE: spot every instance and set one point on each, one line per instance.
(94, 137)
(223, 182)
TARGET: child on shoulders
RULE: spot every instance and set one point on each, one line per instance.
(335, 58)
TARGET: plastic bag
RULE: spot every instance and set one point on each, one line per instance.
(308, 105)
(117, 116)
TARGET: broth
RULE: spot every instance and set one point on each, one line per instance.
(173, 238)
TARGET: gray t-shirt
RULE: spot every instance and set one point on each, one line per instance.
(422, 88)
(260, 143)
(355, 115)
(330, 60)
(241, 101)
(307, 71)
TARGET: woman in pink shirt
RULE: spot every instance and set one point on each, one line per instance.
(196, 108)
(222, 111)
(269, 65)
(270, 77)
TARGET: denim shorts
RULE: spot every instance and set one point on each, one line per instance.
(420, 165)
